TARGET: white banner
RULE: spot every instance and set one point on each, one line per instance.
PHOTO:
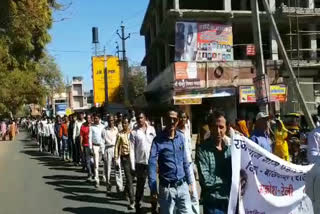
(262, 183)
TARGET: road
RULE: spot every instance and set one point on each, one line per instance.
(38, 183)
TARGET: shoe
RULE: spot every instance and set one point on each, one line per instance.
(131, 206)
(97, 184)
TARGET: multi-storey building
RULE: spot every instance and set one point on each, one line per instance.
(76, 94)
(188, 62)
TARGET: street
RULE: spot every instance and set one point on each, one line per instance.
(38, 183)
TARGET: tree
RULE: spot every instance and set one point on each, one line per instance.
(27, 73)
(136, 83)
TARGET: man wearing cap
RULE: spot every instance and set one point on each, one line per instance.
(260, 134)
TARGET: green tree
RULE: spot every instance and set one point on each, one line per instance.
(136, 83)
(27, 73)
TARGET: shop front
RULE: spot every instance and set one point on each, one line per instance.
(200, 87)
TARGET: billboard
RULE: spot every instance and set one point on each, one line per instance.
(203, 42)
(98, 76)
(247, 94)
(61, 109)
(278, 93)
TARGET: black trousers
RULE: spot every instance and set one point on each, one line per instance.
(142, 174)
(76, 150)
(126, 164)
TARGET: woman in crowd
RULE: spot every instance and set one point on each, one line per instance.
(122, 153)
(281, 145)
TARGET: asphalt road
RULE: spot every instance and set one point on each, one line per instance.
(38, 183)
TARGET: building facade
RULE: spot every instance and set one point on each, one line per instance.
(217, 36)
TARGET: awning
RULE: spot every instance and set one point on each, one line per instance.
(208, 93)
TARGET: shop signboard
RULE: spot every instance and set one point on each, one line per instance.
(203, 42)
(247, 94)
(188, 101)
(186, 76)
(278, 93)
(61, 109)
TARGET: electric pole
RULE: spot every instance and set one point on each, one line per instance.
(118, 50)
(124, 60)
(105, 78)
(123, 38)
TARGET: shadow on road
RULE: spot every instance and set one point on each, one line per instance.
(86, 210)
(71, 181)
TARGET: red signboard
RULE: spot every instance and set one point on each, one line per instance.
(251, 50)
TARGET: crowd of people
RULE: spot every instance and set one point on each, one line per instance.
(131, 144)
(8, 130)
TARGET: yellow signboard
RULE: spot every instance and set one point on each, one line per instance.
(114, 79)
(188, 101)
(98, 76)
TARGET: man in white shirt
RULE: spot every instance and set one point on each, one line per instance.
(313, 177)
(185, 127)
(96, 145)
(109, 136)
(76, 138)
(141, 140)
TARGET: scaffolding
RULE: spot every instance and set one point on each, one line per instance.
(298, 11)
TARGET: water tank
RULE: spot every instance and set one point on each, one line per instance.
(95, 35)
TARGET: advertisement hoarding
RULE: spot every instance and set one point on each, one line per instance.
(278, 93)
(247, 94)
(98, 76)
(203, 42)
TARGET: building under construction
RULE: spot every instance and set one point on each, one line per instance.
(220, 74)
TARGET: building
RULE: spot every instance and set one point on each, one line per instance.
(88, 98)
(198, 52)
(76, 95)
(60, 103)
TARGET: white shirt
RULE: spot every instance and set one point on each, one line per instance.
(51, 129)
(141, 142)
(77, 127)
(109, 136)
(95, 135)
(314, 146)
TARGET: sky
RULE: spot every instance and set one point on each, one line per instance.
(72, 33)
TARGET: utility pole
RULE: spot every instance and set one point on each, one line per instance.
(123, 38)
(259, 54)
(105, 78)
(118, 50)
(288, 66)
(124, 60)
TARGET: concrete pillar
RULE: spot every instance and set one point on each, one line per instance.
(227, 5)
(273, 43)
(176, 4)
(311, 4)
(313, 42)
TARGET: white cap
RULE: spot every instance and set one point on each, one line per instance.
(261, 115)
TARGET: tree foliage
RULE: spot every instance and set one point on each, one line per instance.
(27, 72)
(136, 83)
